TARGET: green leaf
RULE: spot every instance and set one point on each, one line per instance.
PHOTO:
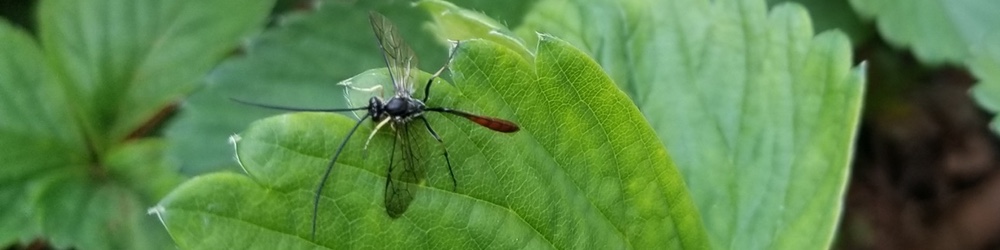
(597, 27)
(122, 61)
(457, 24)
(103, 70)
(758, 114)
(93, 208)
(938, 31)
(835, 14)
(36, 136)
(140, 166)
(985, 65)
(510, 13)
(584, 171)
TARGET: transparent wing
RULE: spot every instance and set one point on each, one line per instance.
(399, 58)
(360, 88)
(406, 171)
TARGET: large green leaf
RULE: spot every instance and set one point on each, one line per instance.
(767, 148)
(938, 31)
(103, 70)
(584, 171)
(758, 114)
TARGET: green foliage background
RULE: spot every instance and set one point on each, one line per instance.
(75, 98)
(648, 124)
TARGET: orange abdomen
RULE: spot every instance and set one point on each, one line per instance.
(495, 124)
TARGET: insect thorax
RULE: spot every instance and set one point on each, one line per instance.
(400, 109)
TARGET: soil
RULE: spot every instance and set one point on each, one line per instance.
(925, 169)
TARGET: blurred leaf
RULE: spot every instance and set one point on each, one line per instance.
(938, 31)
(103, 69)
(759, 115)
(139, 166)
(985, 65)
(36, 134)
(93, 208)
(510, 13)
(834, 14)
(584, 172)
(122, 61)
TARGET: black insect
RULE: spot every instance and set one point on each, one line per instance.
(400, 111)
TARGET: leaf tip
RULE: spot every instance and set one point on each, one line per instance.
(158, 210)
(994, 126)
(544, 36)
(234, 140)
(545, 40)
(862, 67)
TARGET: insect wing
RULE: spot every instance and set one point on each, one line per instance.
(399, 58)
(362, 87)
(406, 170)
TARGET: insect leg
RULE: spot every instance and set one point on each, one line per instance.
(451, 55)
(329, 168)
(370, 136)
(398, 190)
(454, 183)
(388, 172)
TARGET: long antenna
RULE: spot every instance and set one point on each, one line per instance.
(329, 168)
(296, 109)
